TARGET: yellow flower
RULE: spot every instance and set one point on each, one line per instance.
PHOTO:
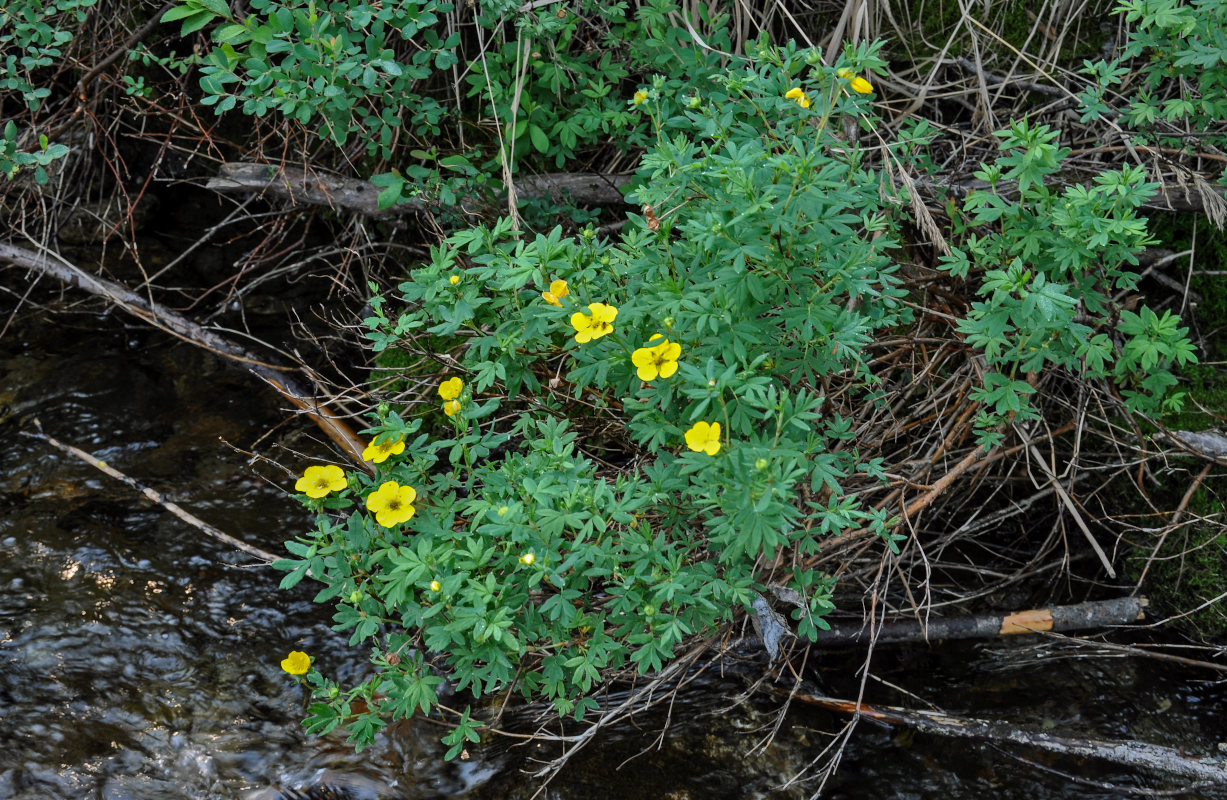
(801, 98)
(658, 360)
(392, 503)
(453, 280)
(451, 407)
(558, 290)
(378, 453)
(319, 481)
(640, 97)
(435, 586)
(592, 327)
(527, 559)
(296, 663)
(861, 86)
(451, 388)
(704, 438)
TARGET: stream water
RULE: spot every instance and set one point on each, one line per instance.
(139, 660)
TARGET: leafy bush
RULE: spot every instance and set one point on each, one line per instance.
(1051, 263)
(1183, 76)
(695, 349)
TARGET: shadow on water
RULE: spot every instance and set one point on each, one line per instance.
(139, 660)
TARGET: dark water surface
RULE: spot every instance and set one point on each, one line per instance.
(139, 659)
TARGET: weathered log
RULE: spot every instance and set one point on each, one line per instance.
(1095, 614)
(1133, 754)
(361, 196)
(277, 375)
(1210, 444)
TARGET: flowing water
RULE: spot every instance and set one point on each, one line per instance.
(139, 659)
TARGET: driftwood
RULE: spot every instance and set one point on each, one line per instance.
(1097, 614)
(1205, 771)
(277, 375)
(361, 196)
(152, 494)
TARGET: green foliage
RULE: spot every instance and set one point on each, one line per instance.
(535, 84)
(1052, 262)
(33, 34)
(533, 566)
(13, 160)
(1183, 46)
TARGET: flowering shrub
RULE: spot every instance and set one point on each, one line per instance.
(644, 438)
(693, 348)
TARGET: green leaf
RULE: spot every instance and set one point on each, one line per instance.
(180, 12)
(218, 7)
(540, 141)
(195, 22)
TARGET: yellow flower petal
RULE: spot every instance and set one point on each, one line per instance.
(451, 407)
(861, 86)
(392, 503)
(317, 482)
(594, 326)
(451, 388)
(800, 97)
(704, 438)
(559, 289)
(296, 663)
(378, 453)
(453, 280)
(639, 97)
(551, 298)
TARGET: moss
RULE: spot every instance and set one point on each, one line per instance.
(1190, 568)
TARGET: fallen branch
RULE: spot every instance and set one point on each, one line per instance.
(1095, 614)
(155, 496)
(1129, 753)
(167, 320)
(361, 196)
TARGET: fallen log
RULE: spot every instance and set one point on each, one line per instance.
(362, 196)
(278, 376)
(1205, 770)
(1094, 614)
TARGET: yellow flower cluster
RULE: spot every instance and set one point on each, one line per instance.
(594, 326)
(450, 391)
(640, 97)
(558, 290)
(656, 361)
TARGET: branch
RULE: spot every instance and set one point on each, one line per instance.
(48, 263)
(153, 495)
(362, 196)
(1096, 614)
(1128, 753)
